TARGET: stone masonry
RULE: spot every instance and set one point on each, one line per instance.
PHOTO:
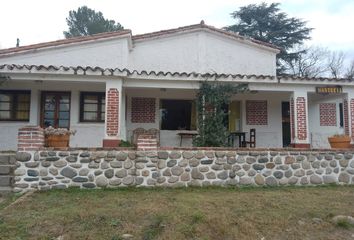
(99, 169)
(7, 167)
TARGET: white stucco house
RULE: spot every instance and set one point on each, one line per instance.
(106, 85)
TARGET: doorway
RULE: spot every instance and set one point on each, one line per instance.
(55, 109)
(285, 114)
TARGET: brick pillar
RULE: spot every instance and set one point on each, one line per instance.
(30, 138)
(112, 118)
(351, 118)
(346, 116)
(299, 121)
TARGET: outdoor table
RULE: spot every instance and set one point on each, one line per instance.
(186, 134)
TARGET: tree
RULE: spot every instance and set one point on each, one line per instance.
(266, 23)
(310, 62)
(86, 21)
(350, 71)
(335, 64)
(211, 99)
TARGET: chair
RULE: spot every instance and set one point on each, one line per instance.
(136, 133)
(252, 141)
(156, 133)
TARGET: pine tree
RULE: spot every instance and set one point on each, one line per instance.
(86, 21)
(268, 24)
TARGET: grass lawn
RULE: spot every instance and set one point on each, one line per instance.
(192, 213)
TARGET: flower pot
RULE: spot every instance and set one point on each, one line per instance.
(57, 140)
(339, 142)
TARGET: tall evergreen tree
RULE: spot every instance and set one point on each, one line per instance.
(86, 21)
(267, 23)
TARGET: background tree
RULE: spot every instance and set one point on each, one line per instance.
(86, 21)
(266, 23)
(350, 71)
(310, 62)
(335, 64)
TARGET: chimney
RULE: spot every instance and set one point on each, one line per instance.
(18, 42)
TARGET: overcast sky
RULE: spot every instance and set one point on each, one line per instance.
(34, 21)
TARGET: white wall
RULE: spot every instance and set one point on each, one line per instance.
(267, 135)
(88, 134)
(201, 52)
(105, 54)
(319, 134)
(167, 138)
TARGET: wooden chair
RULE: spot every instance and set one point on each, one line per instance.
(156, 133)
(136, 133)
(252, 141)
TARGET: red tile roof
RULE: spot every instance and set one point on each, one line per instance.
(65, 41)
(135, 37)
(83, 70)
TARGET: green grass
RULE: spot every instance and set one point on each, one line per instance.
(189, 213)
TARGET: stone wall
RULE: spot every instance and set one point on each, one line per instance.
(90, 169)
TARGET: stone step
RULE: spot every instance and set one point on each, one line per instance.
(5, 190)
(7, 169)
(6, 181)
(7, 159)
(147, 149)
(147, 142)
(146, 137)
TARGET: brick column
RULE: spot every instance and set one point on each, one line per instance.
(30, 138)
(299, 121)
(346, 116)
(113, 112)
(351, 118)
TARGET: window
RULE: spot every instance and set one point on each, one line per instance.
(92, 107)
(14, 105)
(177, 114)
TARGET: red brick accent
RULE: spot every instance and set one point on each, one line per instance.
(143, 110)
(146, 142)
(30, 138)
(352, 115)
(328, 114)
(292, 119)
(112, 112)
(301, 118)
(256, 112)
(111, 143)
(300, 145)
(346, 116)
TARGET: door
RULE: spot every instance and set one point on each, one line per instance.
(285, 113)
(234, 116)
(55, 109)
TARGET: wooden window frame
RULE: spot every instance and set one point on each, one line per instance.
(13, 109)
(99, 106)
(57, 93)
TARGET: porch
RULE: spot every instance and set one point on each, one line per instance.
(105, 106)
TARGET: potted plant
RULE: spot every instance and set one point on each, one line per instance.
(57, 137)
(339, 141)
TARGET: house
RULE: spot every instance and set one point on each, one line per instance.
(109, 84)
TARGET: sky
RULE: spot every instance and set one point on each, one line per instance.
(35, 21)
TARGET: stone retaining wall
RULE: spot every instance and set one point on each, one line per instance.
(90, 169)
